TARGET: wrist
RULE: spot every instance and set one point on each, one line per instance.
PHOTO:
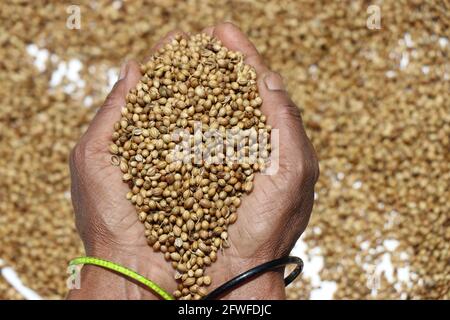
(96, 282)
(266, 286)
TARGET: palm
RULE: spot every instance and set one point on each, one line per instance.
(123, 223)
(274, 206)
(116, 219)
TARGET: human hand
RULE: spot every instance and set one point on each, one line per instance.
(105, 219)
(274, 215)
(270, 220)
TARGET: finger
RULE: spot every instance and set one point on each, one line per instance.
(234, 39)
(277, 104)
(209, 31)
(292, 151)
(102, 125)
(281, 111)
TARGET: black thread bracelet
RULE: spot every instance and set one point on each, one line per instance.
(268, 266)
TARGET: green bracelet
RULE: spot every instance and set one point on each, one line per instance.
(125, 271)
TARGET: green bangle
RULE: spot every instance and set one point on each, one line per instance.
(125, 271)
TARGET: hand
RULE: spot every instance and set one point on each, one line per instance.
(274, 215)
(270, 219)
(106, 221)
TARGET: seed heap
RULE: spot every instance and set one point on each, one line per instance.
(375, 105)
(187, 205)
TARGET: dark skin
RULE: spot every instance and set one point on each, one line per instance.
(271, 218)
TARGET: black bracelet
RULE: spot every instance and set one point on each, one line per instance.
(271, 265)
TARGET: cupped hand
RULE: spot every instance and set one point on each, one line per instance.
(106, 221)
(274, 215)
(270, 219)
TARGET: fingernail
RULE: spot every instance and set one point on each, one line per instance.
(274, 81)
(123, 71)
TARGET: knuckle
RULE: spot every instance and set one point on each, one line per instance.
(313, 163)
(174, 33)
(111, 99)
(289, 111)
(115, 98)
(308, 170)
(316, 169)
(227, 25)
(78, 155)
(82, 152)
(92, 147)
(276, 75)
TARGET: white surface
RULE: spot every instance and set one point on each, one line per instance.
(324, 290)
(12, 278)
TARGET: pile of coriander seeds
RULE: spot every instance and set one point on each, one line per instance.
(374, 103)
(187, 198)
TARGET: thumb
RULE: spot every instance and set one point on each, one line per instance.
(101, 127)
(293, 145)
(282, 113)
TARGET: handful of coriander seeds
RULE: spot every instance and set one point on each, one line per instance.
(187, 147)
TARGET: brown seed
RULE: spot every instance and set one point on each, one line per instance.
(189, 203)
(200, 91)
(178, 242)
(203, 247)
(198, 273)
(198, 195)
(175, 256)
(190, 225)
(115, 160)
(181, 267)
(205, 203)
(248, 187)
(207, 280)
(213, 256)
(142, 216)
(154, 132)
(113, 148)
(189, 282)
(127, 177)
(232, 218)
(176, 230)
(202, 291)
(205, 225)
(123, 167)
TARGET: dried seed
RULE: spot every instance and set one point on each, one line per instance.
(175, 256)
(115, 161)
(189, 282)
(207, 280)
(113, 148)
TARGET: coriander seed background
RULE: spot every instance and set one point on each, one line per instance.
(375, 102)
